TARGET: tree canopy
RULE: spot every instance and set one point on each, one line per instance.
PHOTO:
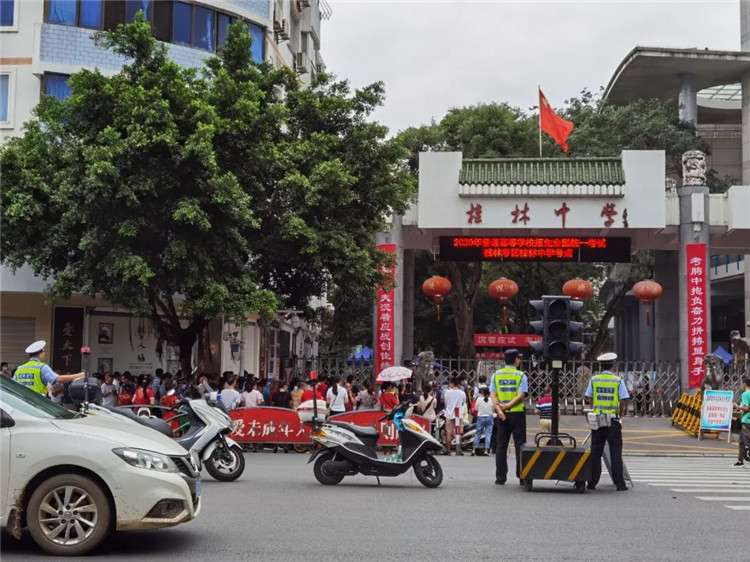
(191, 194)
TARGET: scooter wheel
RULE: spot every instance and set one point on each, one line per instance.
(428, 471)
(225, 470)
(322, 476)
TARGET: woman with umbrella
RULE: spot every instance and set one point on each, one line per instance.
(388, 396)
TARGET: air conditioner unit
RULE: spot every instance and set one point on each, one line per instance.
(278, 15)
(283, 33)
(300, 64)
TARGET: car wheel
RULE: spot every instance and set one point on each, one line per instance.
(69, 515)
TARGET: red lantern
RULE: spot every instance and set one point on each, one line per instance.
(578, 289)
(437, 287)
(647, 292)
(503, 289)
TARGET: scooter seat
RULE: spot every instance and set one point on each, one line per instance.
(154, 423)
(356, 429)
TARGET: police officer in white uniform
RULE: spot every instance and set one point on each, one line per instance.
(37, 375)
(607, 393)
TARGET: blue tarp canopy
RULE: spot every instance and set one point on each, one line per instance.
(362, 357)
(724, 354)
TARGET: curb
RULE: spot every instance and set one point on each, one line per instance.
(682, 455)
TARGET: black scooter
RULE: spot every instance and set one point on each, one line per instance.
(347, 449)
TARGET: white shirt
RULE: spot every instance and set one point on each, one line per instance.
(252, 399)
(337, 402)
(453, 398)
(485, 409)
(109, 401)
(231, 398)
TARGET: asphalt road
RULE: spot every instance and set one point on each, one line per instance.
(277, 511)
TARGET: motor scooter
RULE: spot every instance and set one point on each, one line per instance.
(206, 437)
(346, 449)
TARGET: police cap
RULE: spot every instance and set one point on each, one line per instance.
(607, 357)
(511, 355)
(36, 347)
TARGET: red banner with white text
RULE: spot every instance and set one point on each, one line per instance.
(697, 312)
(385, 341)
(282, 426)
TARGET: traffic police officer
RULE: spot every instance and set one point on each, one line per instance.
(37, 375)
(508, 389)
(608, 393)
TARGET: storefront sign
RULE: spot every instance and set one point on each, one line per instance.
(697, 313)
(282, 426)
(385, 341)
(716, 413)
(519, 248)
(505, 340)
(67, 339)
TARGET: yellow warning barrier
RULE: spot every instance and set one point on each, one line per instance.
(687, 412)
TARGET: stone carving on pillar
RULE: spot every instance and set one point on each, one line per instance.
(714, 373)
(670, 184)
(740, 346)
(425, 370)
(693, 168)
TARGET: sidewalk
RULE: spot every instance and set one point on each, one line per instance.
(647, 437)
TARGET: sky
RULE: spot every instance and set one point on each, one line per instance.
(434, 55)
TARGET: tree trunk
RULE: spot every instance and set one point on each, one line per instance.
(603, 328)
(465, 281)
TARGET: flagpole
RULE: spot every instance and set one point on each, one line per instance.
(540, 119)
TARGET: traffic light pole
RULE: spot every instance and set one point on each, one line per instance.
(556, 367)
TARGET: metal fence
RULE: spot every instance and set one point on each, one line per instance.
(654, 385)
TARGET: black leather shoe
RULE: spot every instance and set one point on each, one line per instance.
(622, 488)
(522, 482)
(500, 482)
(591, 486)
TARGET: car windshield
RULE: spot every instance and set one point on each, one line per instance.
(29, 402)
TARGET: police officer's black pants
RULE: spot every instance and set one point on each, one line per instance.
(613, 436)
(513, 425)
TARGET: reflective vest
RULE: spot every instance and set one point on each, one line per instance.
(507, 383)
(30, 375)
(605, 393)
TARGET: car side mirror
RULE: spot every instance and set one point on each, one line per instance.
(6, 420)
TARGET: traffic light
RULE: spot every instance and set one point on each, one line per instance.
(556, 328)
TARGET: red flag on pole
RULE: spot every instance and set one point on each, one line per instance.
(556, 127)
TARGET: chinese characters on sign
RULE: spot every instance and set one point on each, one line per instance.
(609, 211)
(523, 214)
(516, 248)
(67, 339)
(716, 413)
(562, 211)
(505, 340)
(697, 314)
(475, 213)
(385, 315)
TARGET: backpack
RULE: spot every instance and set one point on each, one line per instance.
(474, 408)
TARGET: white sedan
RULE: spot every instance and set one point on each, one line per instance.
(72, 479)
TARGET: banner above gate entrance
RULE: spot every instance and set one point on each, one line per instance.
(516, 248)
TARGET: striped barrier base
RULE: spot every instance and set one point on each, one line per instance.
(687, 412)
(570, 464)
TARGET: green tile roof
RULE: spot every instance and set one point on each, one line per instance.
(542, 171)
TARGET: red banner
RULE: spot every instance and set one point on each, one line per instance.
(505, 340)
(279, 425)
(385, 341)
(697, 312)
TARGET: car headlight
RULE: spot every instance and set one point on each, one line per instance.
(146, 459)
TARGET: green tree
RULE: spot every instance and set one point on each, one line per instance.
(193, 195)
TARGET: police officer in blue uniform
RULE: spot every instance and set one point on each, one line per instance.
(37, 375)
(607, 393)
(508, 389)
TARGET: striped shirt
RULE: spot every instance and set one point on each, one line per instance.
(544, 405)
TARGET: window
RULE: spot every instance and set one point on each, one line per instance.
(4, 98)
(62, 12)
(259, 38)
(162, 23)
(56, 85)
(7, 12)
(91, 14)
(222, 29)
(203, 33)
(135, 5)
(114, 14)
(182, 23)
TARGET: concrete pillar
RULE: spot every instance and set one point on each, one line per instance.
(395, 236)
(688, 98)
(666, 317)
(694, 228)
(745, 25)
(747, 296)
(408, 312)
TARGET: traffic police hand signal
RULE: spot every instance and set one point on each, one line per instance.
(556, 328)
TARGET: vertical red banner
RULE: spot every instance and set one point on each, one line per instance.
(385, 318)
(697, 312)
